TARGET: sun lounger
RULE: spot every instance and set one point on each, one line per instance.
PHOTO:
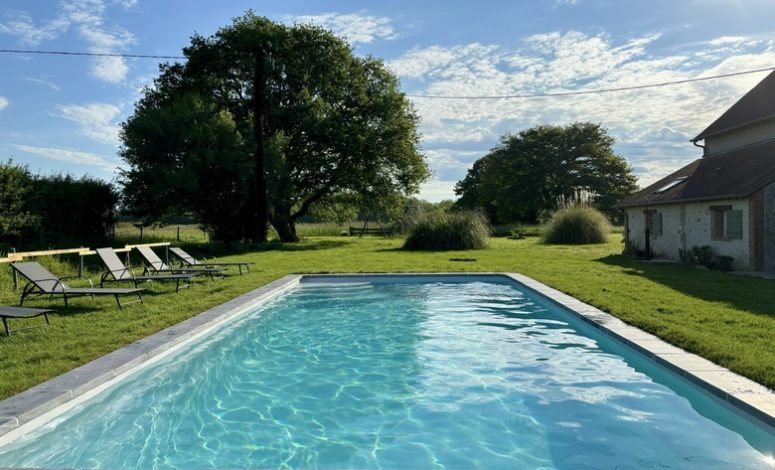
(117, 272)
(189, 261)
(16, 312)
(42, 282)
(154, 264)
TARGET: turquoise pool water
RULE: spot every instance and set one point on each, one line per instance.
(403, 374)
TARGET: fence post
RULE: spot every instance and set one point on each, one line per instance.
(141, 234)
(80, 265)
(178, 233)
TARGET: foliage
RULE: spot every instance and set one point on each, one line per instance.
(58, 210)
(456, 230)
(525, 230)
(705, 256)
(578, 225)
(525, 177)
(726, 319)
(15, 216)
(335, 125)
(73, 211)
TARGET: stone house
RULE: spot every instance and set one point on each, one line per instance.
(726, 199)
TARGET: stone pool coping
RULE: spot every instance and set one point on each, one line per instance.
(742, 393)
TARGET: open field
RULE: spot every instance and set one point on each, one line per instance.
(726, 318)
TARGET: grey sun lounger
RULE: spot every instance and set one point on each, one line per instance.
(189, 261)
(42, 282)
(154, 264)
(17, 312)
(117, 272)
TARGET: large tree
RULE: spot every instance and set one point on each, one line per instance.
(332, 125)
(527, 174)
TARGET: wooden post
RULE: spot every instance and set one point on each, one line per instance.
(141, 233)
(178, 237)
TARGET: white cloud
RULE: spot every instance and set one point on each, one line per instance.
(355, 27)
(67, 155)
(437, 190)
(87, 18)
(3, 102)
(657, 118)
(43, 81)
(21, 25)
(98, 121)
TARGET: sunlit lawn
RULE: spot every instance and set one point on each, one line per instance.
(726, 318)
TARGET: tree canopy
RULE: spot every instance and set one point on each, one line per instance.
(527, 174)
(335, 125)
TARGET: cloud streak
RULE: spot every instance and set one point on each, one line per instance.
(652, 126)
(87, 18)
(97, 121)
(355, 27)
(67, 155)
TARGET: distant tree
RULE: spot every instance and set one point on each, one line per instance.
(73, 211)
(523, 178)
(15, 216)
(335, 124)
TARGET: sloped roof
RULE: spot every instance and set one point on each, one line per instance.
(758, 104)
(734, 174)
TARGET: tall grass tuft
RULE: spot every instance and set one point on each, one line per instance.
(580, 225)
(458, 230)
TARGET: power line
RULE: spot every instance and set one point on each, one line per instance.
(590, 92)
(435, 97)
(91, 54)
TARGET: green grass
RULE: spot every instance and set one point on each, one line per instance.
(126, 233)
(726, 318)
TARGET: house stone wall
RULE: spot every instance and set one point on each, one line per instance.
(690, 224)
(734, 138)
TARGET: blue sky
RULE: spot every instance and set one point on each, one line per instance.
(62, 114)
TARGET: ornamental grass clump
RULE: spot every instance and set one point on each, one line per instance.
(458, 230)
(578, 225)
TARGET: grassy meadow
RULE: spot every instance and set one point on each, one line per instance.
(726, 318)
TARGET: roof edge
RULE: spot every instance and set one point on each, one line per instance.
(702, 135)
(683, 201)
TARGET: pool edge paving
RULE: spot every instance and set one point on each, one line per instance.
(742, 393)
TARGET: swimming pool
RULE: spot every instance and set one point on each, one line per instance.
(429, 372)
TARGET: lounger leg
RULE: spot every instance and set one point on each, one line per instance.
(118, 302)
(177, 285)
(5, 324)
(65, 296)
(45, 315)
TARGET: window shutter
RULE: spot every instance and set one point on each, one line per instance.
(734, 225)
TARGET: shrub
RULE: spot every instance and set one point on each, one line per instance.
(457, 230)
(577, 226)
(704, 256)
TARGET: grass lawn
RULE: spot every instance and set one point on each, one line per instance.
(726, 318)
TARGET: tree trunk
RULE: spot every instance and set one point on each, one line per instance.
(286, 228)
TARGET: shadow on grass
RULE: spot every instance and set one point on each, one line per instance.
(741, 292)
(313, 246)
